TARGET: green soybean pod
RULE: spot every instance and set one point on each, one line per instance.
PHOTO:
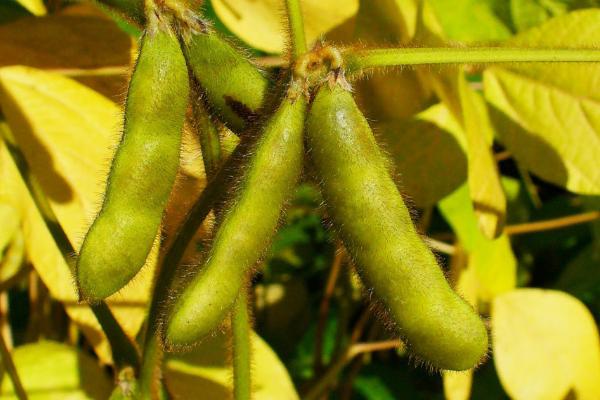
(143, 169)
(375, 225)
(234, 87)
(246, 228)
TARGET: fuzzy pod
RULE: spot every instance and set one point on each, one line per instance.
(246, 229)
(375, 225)
(143, 170)
(235, 88)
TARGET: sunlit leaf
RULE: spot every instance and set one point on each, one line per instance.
(492, 260)
(546, 346)
(36, 7)
(67, 133)
(457, 19)
(205, 372)
(262, 23)
(427, 154)
(548, 119)
(70, 43)
(53, 371)
(484, 180)
(457, 385)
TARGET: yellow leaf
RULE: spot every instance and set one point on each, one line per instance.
(492, 261)
(52, 370)
(457, 385)
(36, 7)
(546, 346)
(67, 133)
(548, 119)
(205, 372)
(262, 23)
(72, 44)
(427, 154)
(486, 190)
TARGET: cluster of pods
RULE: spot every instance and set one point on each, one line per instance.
(314, 120)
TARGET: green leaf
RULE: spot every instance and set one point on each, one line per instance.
(470, 20)
(492, 260)
(427, 152)
(546, 118)
(204, 373)
(53, 371)
(529, 13)
(548, 338)
(484, 180)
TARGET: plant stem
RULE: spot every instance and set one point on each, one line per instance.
(359, 60)
(298, 39)
(240, 325)
(123, 350)
(336, 367)
(334, 272)
(531, 227)
(214, 190)
(9, 365)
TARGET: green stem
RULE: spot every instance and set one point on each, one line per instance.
(9, 365)
(152, 354)
(123, 349)
(360, 60)
(298, 39)
(240, 324)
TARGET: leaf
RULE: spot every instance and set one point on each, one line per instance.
(493, 261)
(546, 346)
(529, 13)
(581, 277)
(72, 43)
(262, 23)
(9, 220)
(67, 134)
(457, 20)
(384, 23)
(36, 7)
(483, 176)
(51, 370)
(547, 119)
(427, 154)
(457, 385)
(204, 373)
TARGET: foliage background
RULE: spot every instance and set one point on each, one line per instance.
(64, 70)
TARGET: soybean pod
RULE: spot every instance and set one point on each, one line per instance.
(143, 170)
(234, 87)
(246, 229)
(375, 226)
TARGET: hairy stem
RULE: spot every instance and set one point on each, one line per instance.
(123, 350)
(240, 325)
(360, 60)
(296, 22)
(9, 366)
